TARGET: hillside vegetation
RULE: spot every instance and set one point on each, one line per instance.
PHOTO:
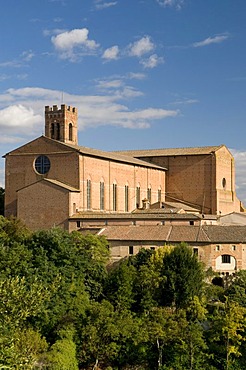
(64, 307)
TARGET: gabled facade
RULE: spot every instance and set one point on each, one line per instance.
(202, 177)
(48, 180)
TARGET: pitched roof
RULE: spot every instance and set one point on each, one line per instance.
(61, 184)
(229, 234)
(171, 151)
(176, 233)
(114, 156)
(118, 157)
(136, 233)
(53, 182)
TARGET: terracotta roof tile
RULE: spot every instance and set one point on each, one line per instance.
(120, 157)
(170, 151)
(230, 234)
(177, 233)
(137, 233)
(180, 233)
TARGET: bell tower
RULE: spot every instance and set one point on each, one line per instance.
(61, 124)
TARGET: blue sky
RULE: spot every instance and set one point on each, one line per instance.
(142, 73)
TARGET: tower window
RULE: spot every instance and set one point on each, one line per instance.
(52, 131)
(70, 133)
(159, 195)
(42, 164)
(58, 135)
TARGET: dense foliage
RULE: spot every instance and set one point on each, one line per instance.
(63, 306)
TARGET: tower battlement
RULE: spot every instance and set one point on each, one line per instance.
(63, 108)
(61, 123)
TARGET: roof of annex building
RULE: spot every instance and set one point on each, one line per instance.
(155, 214)
(171, 151)
(176, 233)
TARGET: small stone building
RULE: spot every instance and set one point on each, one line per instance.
(223, 248)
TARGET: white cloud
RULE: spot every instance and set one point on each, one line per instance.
(4, 77)
(18, 119)
(110, 84)
(210, 40)
(6, 139)
(111, 53)
(240, 165)
(100, 4)
(184, 101)
(2, 176)
(152, 62)
(171, 3)
(27, 55)
(53, 32)
(66, 43)
(141, 47)
(118, 88)
(136, 76)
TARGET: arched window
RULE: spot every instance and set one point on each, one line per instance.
(70, 133)
(88, 194)
(138, 196)
(58, 131)
(114, 197)
(101, 195)
(126, 198)
(52, 131)
(149, 194)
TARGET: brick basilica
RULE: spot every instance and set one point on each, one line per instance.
(137, 198)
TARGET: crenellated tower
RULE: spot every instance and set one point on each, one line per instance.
(61, 124)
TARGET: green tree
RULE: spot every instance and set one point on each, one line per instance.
(56, 260)
(20, 300)
(120, 286)
(163, 331)
(236, 290)
(62, 355)
(111, 337)
(226, 333)
(93, 252)
(12, 230)
(184, 277)
(99, 334)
